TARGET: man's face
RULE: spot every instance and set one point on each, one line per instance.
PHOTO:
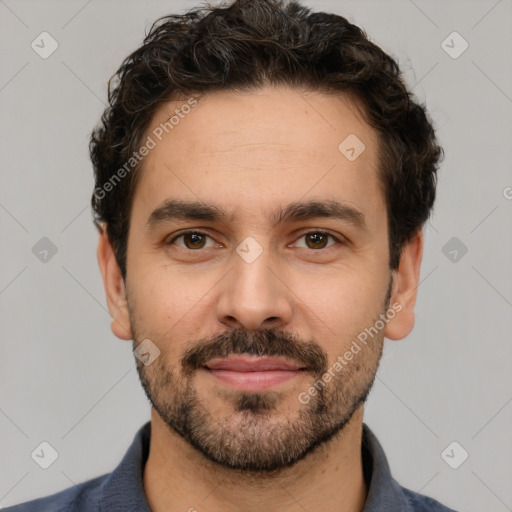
(299, 289)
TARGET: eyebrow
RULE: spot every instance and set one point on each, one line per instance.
(175, 210)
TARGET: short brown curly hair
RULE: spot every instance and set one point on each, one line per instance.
(246, 45)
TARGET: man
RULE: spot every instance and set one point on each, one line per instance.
(262, 180)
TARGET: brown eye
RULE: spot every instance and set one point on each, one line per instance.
(192, 240)
(317, 240)
(196, 240)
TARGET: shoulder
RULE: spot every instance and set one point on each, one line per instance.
(421, 503)
(121, 490)
(384, 492)
(83, 497)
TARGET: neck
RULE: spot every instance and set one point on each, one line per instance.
(178, 477)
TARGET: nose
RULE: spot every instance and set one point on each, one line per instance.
(254, 296)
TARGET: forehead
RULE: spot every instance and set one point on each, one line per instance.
(273, 145)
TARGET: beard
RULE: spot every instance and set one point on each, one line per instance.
(256, 437)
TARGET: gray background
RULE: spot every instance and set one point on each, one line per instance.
(67, 380)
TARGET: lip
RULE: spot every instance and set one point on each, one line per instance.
(254, 364)
(253, 374)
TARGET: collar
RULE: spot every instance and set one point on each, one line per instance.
(384, 493)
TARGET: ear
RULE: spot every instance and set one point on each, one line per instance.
(114, 287)
(404, 291)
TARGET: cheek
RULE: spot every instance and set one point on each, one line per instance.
(166, 305)
(341, 307)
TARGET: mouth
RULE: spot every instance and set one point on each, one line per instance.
(253, 373)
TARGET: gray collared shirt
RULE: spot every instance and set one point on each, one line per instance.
(123, 491)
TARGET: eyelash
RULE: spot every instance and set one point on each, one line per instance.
(315, 232)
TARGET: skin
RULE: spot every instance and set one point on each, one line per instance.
(249, 153)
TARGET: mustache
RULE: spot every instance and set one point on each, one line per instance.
(267, 342)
